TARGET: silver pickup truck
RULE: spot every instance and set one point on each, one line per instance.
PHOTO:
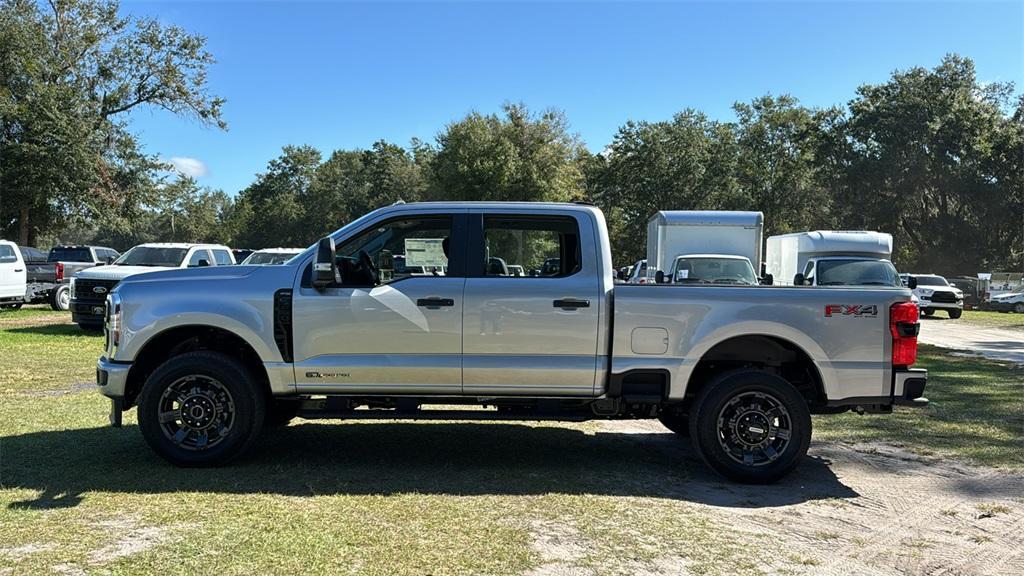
(211, 356)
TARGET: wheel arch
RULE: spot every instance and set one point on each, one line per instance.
(179, 339)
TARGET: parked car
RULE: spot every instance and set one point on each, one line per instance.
(1009, 302)
(211, 356)
(970, 288)
(272, 256)
(935, 293)
(12, 276)
(89, 288)
(50, 281)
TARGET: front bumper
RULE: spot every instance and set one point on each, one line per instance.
(941, 305)
(112, 378)
(88, 312)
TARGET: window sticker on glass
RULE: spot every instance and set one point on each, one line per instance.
(682, 274)
(425, 252)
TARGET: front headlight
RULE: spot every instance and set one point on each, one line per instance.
(113, 319)
(71, 289)
(926, 291)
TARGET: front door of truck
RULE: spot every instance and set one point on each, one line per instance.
(400, 334)
(534, 334)
(12, 272)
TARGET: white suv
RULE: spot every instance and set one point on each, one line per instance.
(936, 294)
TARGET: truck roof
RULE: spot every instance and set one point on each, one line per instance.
(707, 218)
(840, 241)
(180, 245)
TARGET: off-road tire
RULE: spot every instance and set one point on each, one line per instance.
(724, 395)
(247, 408)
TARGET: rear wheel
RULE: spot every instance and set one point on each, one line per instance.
(1019, 307)
(201, 409)
(60, 299)
(750, 426)
(954, 314)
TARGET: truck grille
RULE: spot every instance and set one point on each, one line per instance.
(944, 297)
(84, 289)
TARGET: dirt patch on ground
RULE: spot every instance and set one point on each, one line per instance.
(873, 510)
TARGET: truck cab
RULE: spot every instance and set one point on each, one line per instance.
(12, 275)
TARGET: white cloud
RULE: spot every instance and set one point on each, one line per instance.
(189, 166)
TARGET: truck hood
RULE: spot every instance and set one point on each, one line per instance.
(188, 274)
(115, 272)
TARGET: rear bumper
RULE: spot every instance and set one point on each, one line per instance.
(908, 386)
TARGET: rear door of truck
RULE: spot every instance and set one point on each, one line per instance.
(536, 334)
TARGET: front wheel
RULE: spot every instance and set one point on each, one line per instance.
(61, 299)
(201, 409)
(954, 314)
(1019, 307)
(927, 311)
(750, 426)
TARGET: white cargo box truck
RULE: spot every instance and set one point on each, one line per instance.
(674, 233)
(831, 258)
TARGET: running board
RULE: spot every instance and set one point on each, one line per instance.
(374, 414)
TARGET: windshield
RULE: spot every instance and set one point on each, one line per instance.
(857, 273)
(69, 255)
(931, 281)
(152, 256)
(713, 271)
(268, 258)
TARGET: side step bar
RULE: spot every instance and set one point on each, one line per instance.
(386, 414)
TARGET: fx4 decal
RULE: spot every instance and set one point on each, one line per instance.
(858, 310)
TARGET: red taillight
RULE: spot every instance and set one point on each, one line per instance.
(904, 326)
(60, 271)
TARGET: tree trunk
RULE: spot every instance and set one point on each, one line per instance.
(23, 226)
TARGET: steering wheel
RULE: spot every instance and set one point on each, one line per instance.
(366, 263)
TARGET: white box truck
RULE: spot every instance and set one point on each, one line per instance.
(705, 246)
(831, 258)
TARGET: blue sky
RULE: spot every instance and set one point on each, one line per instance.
(342, 75)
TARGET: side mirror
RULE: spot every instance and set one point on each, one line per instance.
(659, 277)
(912, 282)
(767, 280)
(324, 264)
(620, 275)
(202, 263)
(110, 259)
(798, 280)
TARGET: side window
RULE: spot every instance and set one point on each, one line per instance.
(222, 257)
(398, 249)
(7, 255)
(520, 247)
(197, 256)
(809, 273)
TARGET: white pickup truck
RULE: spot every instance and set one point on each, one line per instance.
(211, 356)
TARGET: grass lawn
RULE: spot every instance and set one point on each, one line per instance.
(77, 497)
(1007, 320)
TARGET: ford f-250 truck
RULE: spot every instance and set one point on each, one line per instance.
(210, 356)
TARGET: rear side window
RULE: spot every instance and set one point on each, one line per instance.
(197, 256)
(69, 255)
(222, 257)
(531, 247)
(7, 254)
(105, 254)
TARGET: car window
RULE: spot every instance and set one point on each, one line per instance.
(7, 254)
(152, 256)
(547, 247)
(222, 257)
(713, 271)
(197, 256)
(69, 255)
(857, 273)
(398, 249)
(931, 281)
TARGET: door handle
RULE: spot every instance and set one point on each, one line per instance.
(435, 302)
(572, 304)
(19, 269)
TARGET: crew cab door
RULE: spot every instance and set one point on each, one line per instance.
(535, 334)
(12, 272)
(399, 335)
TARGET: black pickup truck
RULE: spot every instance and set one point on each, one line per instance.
(49, 281)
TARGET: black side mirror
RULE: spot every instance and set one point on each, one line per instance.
(203, 262)
(798, 280)
(110, 259)
(767, 280)
(324, 265)
(659, 277)
(912, 282)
